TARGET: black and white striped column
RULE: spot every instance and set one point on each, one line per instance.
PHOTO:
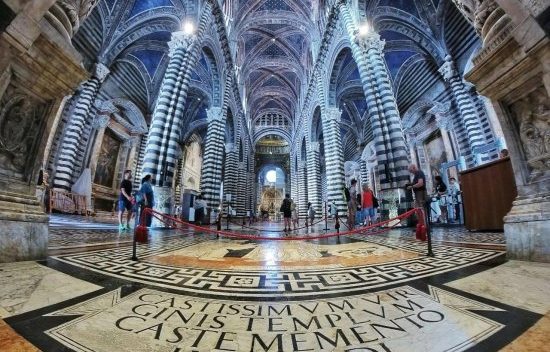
(240, 192)
(302, 188)
(464, 102)
(314, 176)
(213, 157)
(72, 139)
(334, 157)
(230, 173)
(391, 149)
(162, 149)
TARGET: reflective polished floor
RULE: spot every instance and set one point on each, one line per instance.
(193, 291)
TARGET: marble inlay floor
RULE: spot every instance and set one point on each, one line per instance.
(192, 291)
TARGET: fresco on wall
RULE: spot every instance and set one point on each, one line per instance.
(106, 161)
(435, 153)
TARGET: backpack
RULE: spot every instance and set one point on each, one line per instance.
(139, 197)
(285, 206)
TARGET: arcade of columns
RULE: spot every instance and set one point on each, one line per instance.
(42, 68)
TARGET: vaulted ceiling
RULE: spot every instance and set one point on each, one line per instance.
(274, 54)
(273, 45)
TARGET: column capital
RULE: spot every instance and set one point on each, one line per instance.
(230, 147)
(332, 113)
(370, 41)
(314, 146)
(180, 40)
(448, 69)
(101, 71)
(214, 114)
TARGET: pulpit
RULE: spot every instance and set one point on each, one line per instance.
(488, 192)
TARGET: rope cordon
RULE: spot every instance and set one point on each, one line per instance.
(378, 227)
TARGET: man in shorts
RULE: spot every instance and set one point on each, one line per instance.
(125, 200)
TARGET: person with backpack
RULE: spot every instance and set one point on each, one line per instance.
(145, 198)
(286, 209)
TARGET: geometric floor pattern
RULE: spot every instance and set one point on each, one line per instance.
(192, 291)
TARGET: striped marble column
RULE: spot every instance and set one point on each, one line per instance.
(464, 102)
(240, 192)
(334, 157)
(302, 188)
(230, 174)
(365, 177)
(390, 145)
(68, 153)
(293, 179)
(213, 157)
(162, 148)
(314, 176)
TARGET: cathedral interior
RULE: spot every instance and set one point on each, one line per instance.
(149, 150)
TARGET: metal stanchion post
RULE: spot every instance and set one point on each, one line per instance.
(429, 229)
(228, 216)
(326, 217)
(134, 246)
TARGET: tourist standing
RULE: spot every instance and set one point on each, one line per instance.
(310, 213)
(286, 209)
(148, 198)
(367, 205)
(441, 194)
(418, 186)
(200, 210)
(454, 193)
(352, 204)
(333, 209)
(125, 201)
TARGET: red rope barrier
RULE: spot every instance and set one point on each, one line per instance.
(258, 229)
(160, 217)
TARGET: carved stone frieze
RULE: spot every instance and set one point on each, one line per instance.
(532, 114)
(21, 118)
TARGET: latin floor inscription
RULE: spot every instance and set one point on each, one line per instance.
(400, 319)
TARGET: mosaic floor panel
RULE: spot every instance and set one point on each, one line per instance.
(192, 291)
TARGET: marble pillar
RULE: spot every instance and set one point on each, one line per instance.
(211, 175)
(334, 158)
(465, 104)
(240, 192)
(69, 153)
(512, 70)
(390, 143)
(162, 149)
(38, 67)
(301, 175)
(314, 177)
(231, 173)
